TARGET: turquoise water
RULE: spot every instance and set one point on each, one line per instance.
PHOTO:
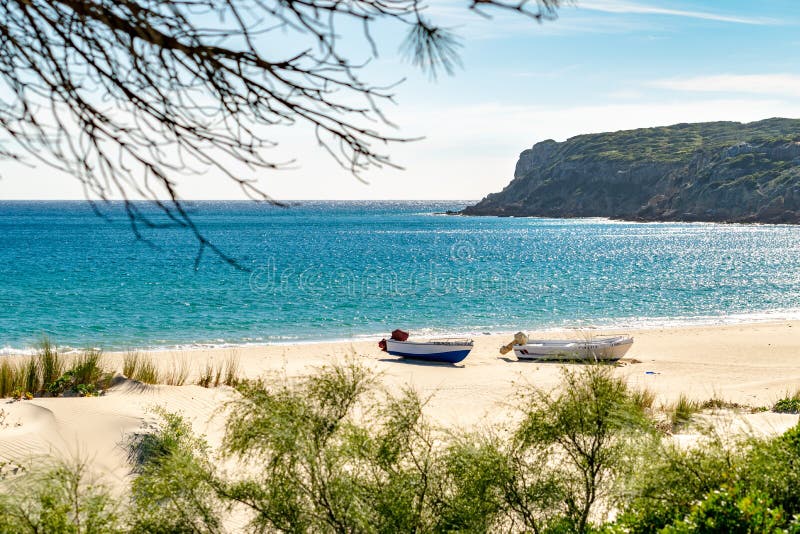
(334, 270)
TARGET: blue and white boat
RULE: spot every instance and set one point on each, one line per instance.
(435, 350)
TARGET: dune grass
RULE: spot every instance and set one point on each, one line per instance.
(51, 365)
(231, 377)
(206, 378)
(140, 367)
(644, 398)
(178, 372)
(222, 373)
(130, 361)
(718, 403)
(682, 410)
(49, 373)
(32, 380)
(10, 378)
(87, 376)
(88, 368)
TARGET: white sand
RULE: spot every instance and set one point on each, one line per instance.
(752, 364)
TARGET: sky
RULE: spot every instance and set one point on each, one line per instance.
(603, 65)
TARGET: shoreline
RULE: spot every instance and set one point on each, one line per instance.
(698, 360)
(657, 323)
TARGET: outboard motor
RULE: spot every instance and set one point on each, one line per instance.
(397, 335)
(519, 339)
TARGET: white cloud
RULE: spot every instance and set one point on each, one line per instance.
(614, 6)
(500, 24)
(760, 84)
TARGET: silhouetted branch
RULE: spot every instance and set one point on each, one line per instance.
(128, 95)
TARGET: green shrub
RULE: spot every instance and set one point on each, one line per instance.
(60, 385)
(788, 404)
(315, 466)
(174, 489)
(58, 498)
(726, 511)
(474, 474)
(86, 377)
(582, 440)
(671, 479)
(772, 468)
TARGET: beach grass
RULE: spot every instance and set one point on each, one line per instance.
(31, 372)
(87, 376)
(718, 403)
(140, 367)
(217, 375)
(206, 378)
(87, 368)
(231, 377)
(682, 410)
(225, 373)
(10, 378)
(644, 398)
(16, 376)
(147, 371)
(43, 373)
(51, 364)
(178, 373)
(130, 361)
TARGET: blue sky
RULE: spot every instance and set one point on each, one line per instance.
(602, 65)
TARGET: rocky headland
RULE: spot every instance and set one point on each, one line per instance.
(714, 171)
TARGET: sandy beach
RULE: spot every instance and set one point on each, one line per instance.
(751, 364)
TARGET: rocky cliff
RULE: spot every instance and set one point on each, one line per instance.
(717, 171)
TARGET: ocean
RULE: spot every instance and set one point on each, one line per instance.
(340, 270)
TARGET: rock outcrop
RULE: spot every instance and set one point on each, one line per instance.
(719, 171)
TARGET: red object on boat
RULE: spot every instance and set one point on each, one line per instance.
(399, 335)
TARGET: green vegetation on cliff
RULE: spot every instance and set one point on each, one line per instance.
(716, 171)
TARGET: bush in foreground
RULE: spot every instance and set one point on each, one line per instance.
(58, 497)
(332, 453)
(173, 489)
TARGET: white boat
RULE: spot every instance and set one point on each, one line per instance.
(435, 350)
(600, 349)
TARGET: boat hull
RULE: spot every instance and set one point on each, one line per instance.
(602, 350)
(430, 352)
